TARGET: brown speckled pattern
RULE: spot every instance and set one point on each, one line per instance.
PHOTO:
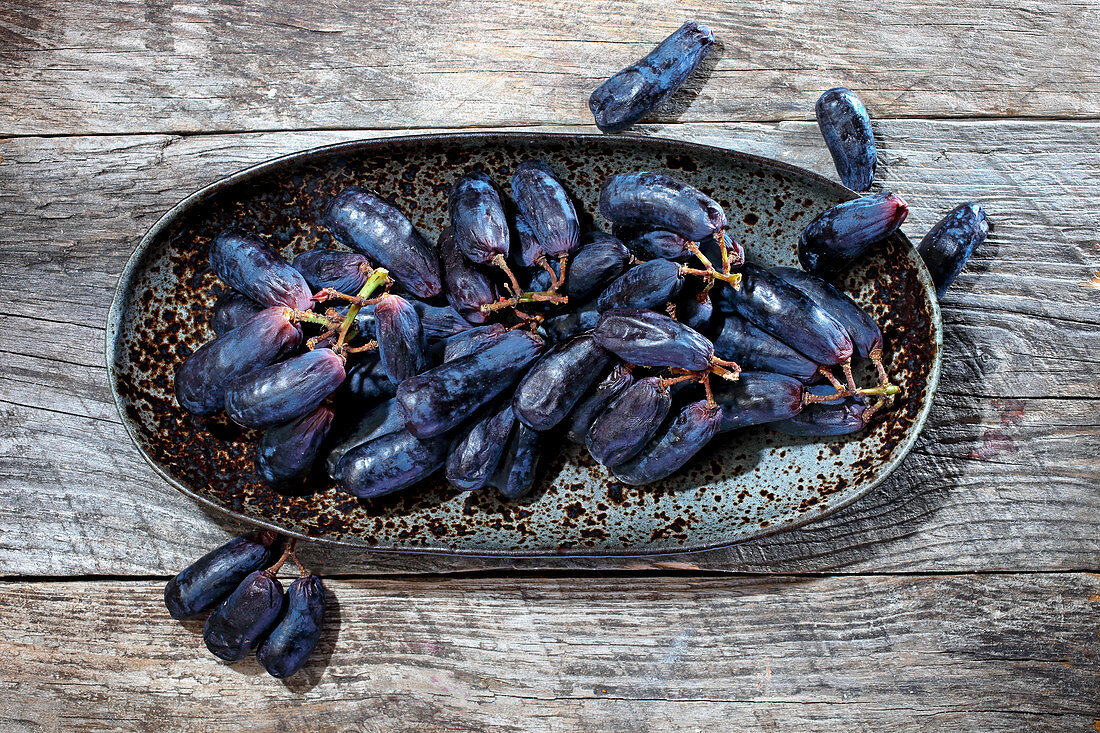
(746, 484)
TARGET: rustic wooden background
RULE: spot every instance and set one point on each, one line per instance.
(962, 596)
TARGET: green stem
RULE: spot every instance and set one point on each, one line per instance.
(377, 278)
(309, 317)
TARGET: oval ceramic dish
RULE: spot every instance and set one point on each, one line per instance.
(745, 484)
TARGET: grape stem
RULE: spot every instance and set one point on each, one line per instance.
(538, 297)
(297, 316)
(272, 571)
(379, 277)
(563, 265)
(302, 571)
(733, 279)
(369, 346)
(498, 260)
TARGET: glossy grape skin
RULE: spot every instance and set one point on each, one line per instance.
(288, 451)
(385, 418)
(655, 201)
(698, 314)
(628, 95)
(281, 392)
(472, 341)
(756, 398)
(865, 334)
(390, 463)
(661, 243)
(544, 209)
(593, 404)
(567, 325)
(440, 321)
(370, 225)
(516, 474)
(240, 622)
(846, 127)
(826, 419)
(674, 446)
(630, 420)
(648, 285)
(475, 454)
(646, 338)
(231, 310)
(477, 217)
(790, 315)
(204, 583)
(951, 242)
(401, 344)
(290, 643)
(255, 270)
(467, 288)
(600, 260)
(367, 379)
(836, 237)
(204, 377)
(441, 398)
(754, 350)
(330, 268)
(548, 392)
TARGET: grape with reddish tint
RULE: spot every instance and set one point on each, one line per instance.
(846, 127)
(242, 620)
(600, 260)
(231, 310)
(519, 466)
(836, 237)
(385, 418)
(673, 446)
(544, 211)
(656, 201)
(255, 270)
(648, 285)
(475, 454)
(593, 404)
(756, 398)
(632, 418)
(288, 646)
(390, 463)
(552, 387)
(865, 334)
(651, 339)
(401, 345)
(281, 392)
(207, 581)
(477, 217)
(330, 268)
(949, 244)
(288, 451)
(466, 286)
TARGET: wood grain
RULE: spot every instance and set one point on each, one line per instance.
(184, 66)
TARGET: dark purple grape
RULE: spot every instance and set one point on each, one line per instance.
(288, 451)
(697, 311)
(519, 466)
(540, 281)
(477, 217)
(548, 392)
(846, 127)
(440, 321)
(441, 398)
(475, 454)
(628, 95)
(290, 643)
(390, 463)
(756, 398)
(472, 341)
(568, 325)
(385, 418)
(592, 405)
(367, 379)
(646, 338)
(467, 288)
(649, 285)
(673, 446)
(790, 315)
(231, 310)
(826, 419)
(369, 224)
(281, 392)
(255, 270)
(656, 201)
(755, 350)
(240, 622)
(661, 243)
(401, 345)
(204, 583)
(204, 377)
(346, 272)
(600, 260)
(628, 422)
(865, 334)
(949, 244)
(834, 239)
(544, 209)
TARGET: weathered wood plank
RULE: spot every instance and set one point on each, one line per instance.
(167, 65)
(949, 653)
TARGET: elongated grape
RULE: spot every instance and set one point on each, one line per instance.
(593, 404)
(439, 399)
(836, 237)
(518, 468)
(756, 398)
(673, 446)
(846, 127)
(865, 334)
(477, 217)
(390, 463)
(401, 344)
(475, 454)
(231, 310)
(207, 581)
(330, 268)
(567, 325)
(628, 95)
(385, 418)
(949, 244)
(600, 260)
(281, 392)
(294, 637)
(288, 451)
(651, 339)
(204, 377)
(255, 270)
(372, 226)
(630, 420)
(467, 288)
(548, 392)
(649, 285)
(240, 622)
(544, 208)
(697, 311)
(755, 350)
(826, 419)
(474, 340)
(440, 321)
(790, 315)
(367, 379)
(656, 201)
(661, 243)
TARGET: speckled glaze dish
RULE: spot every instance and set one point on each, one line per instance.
(746, 484)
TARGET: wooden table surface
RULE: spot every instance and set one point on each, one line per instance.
(961, 596)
